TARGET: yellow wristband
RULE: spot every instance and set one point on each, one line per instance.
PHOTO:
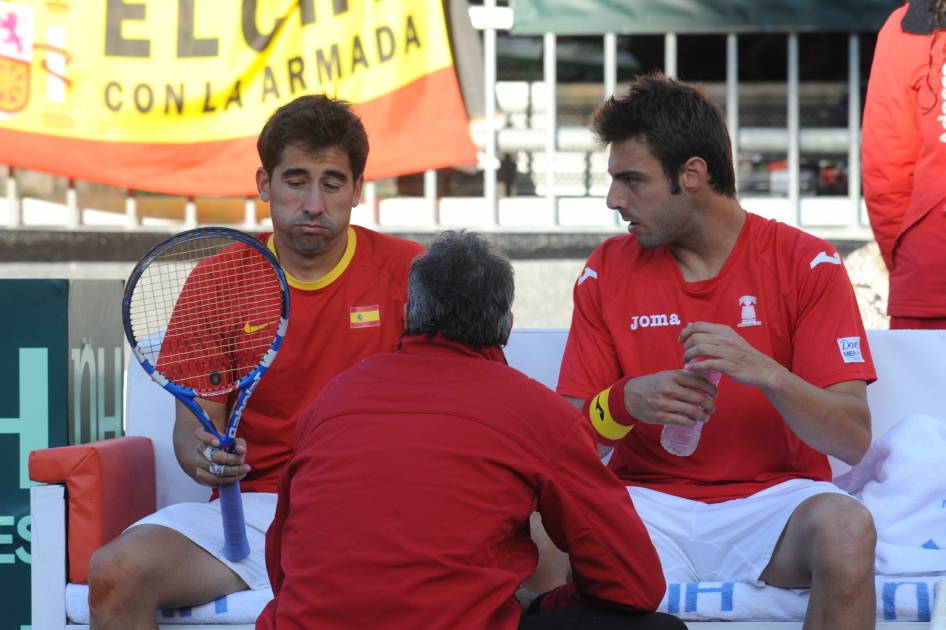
(602, 420)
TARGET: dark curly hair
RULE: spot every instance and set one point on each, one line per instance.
(312, 123)
(462, 287)
(678, 122)
(938, 8)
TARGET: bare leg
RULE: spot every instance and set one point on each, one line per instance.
(150, 567)
(554, 568)
(828, 545)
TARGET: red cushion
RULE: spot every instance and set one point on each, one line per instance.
(110, 485)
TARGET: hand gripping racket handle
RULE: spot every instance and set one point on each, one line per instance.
(235, 545)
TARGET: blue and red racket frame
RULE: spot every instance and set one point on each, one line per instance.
(236, 546)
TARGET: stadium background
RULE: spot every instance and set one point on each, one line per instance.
(799, 86)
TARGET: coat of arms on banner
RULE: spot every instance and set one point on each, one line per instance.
(16, 53)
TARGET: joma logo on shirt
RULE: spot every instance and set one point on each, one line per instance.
(649, 321)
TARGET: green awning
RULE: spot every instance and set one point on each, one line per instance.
(648, 17)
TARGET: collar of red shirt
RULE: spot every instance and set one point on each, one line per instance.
(439, 345)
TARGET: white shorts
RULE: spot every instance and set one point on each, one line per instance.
(203, 524)
(730, 541)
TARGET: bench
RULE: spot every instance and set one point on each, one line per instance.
(909, 366)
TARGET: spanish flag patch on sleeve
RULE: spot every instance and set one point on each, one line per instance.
(365, 316)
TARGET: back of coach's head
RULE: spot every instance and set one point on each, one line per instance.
(463, 288)
(678, 122)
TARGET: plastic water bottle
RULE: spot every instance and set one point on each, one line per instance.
(679, 440)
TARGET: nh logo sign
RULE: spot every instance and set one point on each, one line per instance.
(33, 423)
(99, 426)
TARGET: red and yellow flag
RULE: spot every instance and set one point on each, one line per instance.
(170, 95)
(365, 316)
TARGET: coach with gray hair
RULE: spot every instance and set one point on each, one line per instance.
(406, 503)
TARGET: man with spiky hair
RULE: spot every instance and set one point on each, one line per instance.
(406, 503)
(766, 305)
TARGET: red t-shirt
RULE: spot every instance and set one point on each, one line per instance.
(406, 502)
(353, 312)
(782, 290)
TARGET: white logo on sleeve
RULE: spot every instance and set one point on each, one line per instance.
(851, 349)
(824, 258)
(588, 273)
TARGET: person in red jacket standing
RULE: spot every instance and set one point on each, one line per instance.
(406, 503)
(904, 155)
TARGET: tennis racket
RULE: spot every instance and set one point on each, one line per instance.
(205, 312)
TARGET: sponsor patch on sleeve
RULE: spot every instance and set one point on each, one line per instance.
(851, 349)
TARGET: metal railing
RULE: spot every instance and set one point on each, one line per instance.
(829, 217)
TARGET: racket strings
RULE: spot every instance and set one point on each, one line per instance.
(206, 311)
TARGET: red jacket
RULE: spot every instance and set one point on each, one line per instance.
(406, 502)
(904, 157)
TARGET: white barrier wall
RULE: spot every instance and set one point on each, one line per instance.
(910, 366)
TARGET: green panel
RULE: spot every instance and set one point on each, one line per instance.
(33, 412)
(638, 17)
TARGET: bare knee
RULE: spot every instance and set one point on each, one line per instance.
(115, 579)
(843, 538)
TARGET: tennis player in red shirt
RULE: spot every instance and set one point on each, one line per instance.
(406, 503)
(769, 307)
(347, 291)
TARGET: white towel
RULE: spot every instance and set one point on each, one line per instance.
(902, 481)
(733, 601)
(237, 608)
(905, 599)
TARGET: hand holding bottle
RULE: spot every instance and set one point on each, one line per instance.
(680, 440)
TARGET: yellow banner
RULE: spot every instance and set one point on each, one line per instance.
(187, 71)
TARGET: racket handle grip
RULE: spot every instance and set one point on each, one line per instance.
(235, 545)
